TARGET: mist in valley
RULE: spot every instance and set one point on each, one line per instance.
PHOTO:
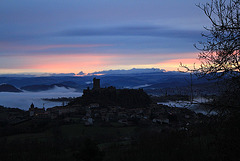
(24, 99)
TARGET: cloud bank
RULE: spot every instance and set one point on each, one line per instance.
(130, 71)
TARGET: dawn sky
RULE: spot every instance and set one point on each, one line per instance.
(69, 36)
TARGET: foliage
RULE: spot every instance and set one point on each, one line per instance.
(228, 100)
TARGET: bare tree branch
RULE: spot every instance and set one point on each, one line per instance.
(221, 50)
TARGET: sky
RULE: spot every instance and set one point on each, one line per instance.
(69, 36)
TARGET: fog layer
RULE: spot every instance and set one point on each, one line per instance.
(24, 99)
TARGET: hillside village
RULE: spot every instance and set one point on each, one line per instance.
(90, 111)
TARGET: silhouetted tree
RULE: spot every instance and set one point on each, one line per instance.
(194, 71)
(220, 51)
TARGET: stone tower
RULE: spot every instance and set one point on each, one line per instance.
(32, 106)
(96, 83)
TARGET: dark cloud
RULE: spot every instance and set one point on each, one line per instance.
(128, 39)
(151, 31)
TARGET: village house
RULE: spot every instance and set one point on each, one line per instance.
(37, 112)
(61, 110)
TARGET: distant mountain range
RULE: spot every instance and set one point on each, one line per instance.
(149, 79)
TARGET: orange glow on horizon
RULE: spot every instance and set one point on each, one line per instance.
(174, 65)
(73, 63)
(88, 63)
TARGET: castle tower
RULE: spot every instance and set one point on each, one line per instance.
(32, 106)
(31, 110)
(96, 83)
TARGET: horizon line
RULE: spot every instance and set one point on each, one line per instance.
(95, 73)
